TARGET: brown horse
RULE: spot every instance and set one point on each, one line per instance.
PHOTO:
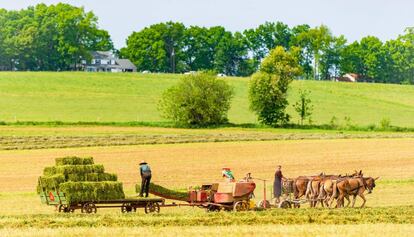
(315, 188)
(355, 186)
(300, 187)
(327, 188)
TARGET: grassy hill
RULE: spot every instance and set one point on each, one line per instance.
(71, 97)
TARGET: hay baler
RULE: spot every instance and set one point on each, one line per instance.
(223, 196)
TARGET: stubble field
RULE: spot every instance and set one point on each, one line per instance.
(390, 208)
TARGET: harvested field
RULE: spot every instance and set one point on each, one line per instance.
(197, 217)
(390, 207)
(308, 230)
(392, 159)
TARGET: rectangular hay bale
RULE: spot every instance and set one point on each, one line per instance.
(50, 183)
(74, 160)
(101, 177)
(78, 192)
(73, 169)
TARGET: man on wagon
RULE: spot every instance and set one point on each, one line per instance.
(277, 184)
(145, 171)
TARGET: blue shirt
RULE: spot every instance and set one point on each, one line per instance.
(144, 168)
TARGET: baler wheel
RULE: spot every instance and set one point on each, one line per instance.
(240, 206)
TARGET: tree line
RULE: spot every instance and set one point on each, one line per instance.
(173, 47)
(58, 37)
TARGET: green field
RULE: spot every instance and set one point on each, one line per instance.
(100, 97)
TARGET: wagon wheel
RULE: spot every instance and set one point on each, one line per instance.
(89, 208)
(152, 207)
(240, 206)
(285, 204)
(127, 207)
(61, 208)
(65, 209)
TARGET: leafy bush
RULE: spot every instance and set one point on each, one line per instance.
(385, 123)
(348, 123)
(268, 87)
(200, 99)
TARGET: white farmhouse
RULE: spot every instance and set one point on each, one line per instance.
(107, 62)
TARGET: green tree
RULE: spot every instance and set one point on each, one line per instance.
(366, 58)
(303, 106)
(261, 40)
(399, 59)
(199, 50)
(231, 55)
(329, 64)
(197, 100)
(300, 39)
(319, 39)
(146, 50)
(54, 37)
(157, 48)
(268, 87)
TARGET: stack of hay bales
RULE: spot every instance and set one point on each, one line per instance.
(81, 180)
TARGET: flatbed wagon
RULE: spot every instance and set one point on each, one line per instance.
(58, 199)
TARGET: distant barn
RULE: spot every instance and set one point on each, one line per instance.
(353, 77)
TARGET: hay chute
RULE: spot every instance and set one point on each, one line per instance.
(181, 195)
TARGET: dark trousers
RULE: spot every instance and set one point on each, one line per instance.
(145, 183)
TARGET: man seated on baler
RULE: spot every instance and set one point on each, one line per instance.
(228, 175)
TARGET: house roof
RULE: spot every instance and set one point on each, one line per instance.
(102, 55)
(125, 63)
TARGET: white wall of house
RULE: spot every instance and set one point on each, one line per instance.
(116, 70)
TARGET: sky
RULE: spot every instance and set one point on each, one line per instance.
(355, 19)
